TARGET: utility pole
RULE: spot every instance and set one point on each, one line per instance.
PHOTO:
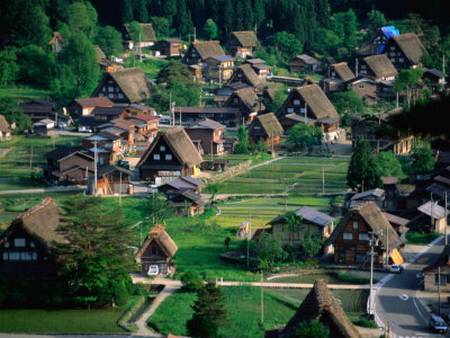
(323, 180)
(439, 289)
(446, 217)
(371, 253)
(387, 246)
(120, 188)
(431, 210)
(262, 298)
(306, 113)
(272, 147)
(31, 156)
(95, 167)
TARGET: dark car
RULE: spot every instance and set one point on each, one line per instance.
(437, 324)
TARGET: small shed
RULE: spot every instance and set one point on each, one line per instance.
(156, 254)
(43, 127)
(437, 216)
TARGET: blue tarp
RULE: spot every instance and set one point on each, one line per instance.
(389, 32)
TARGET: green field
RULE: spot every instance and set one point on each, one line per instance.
(150, 67)
(24, 93)
(63, 320)
(243, 308)
(25, 156)
(301, 176)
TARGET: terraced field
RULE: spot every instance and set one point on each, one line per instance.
(300, 176)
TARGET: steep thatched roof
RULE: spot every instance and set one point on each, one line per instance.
(181, 145)
(208, 49)
(380, 65)
(317, 102)
(375, 219)
(133, 83)
(4, 125)
(321, 305)
(100, 101)
(207, 124)
(42, 222)
(148, 33)
(165, 242)
(270, 124)
(411, 46)
(246, 38)
(343, 71)
(249, 98)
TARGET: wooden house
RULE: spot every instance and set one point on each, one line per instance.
(441, 183)
(247, 75)
(376, 195)
(171, 155)
(5, 129)
(124, 86)
(261, 68)
(376, 130)
(199, 51)
(106, 114)
(101, 58)
(147, 38)
(156, 254)
(351, 238)
(248, 103)
(310, 222)
(169, 47)
(219, 68)
(266, 128)
(320, 304)
(242, 44)
(312, 106)
(378, 68)
(28, 247)
(38, 110)
(111, 180)
(365, 88)
(68, 165)
(228, 116)
(405, 51)
(42, 127)
(184, 196)
(436, 277)
(339, 74)
(304, 64)
(84, 107)
(433, 217)
(209, 134)
(56, 42)
(435, 79)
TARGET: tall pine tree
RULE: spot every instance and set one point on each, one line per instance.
(140, 10)
(363, 172)
(127, 11)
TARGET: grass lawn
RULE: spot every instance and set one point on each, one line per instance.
(330, 277)
(63, 321)
(15, 169)
(234, 159)
(24, 93)
(150, 67)
(421, 238)
(302, 175)
(243, 308)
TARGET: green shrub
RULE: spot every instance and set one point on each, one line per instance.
(346, 277)
(120, 293)
(364, 322)
(192, 281)
(416, 237)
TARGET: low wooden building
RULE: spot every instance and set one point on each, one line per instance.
(147, 38)
(111, 180)
(246, 74)
(267, 129)
(304, 63)
(228, 116)
(5, 129)
(248, 102)
(199, 51)
(28, 245)
(42, 127)
(219, 68)
(320, 305)
(84, 107)
(184, 196)
(242, 43)
(209, 134)
(261, 68)
(365, 88)
(311, 222)
(157, 252)
(378, 68)
(38, 110)
(433, 217)
(129, 85)
(376, 195)
(351, 238)
(171, 155)
(437, 276)
(169, 47)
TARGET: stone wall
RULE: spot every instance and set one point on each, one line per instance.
(230, 172)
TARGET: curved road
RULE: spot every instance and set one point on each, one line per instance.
(396, 301)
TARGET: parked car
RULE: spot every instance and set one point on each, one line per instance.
(437, 324)
(394, 268)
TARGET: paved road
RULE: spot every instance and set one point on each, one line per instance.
(396, 300)
(70, 188)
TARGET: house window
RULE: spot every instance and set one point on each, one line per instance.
(6, 244)
(111, 96)
(156, 157)
(14, 256)
(348, 236)
(5, 256)
(19, 242)
(168, 157)
(110, 89)
(162, 148)
(290, 110)
(401, 60)
(32, 245)
(120, 95)
(296, 102)
(443, 279)
(302, 111)
(355, 225)
(363, 236)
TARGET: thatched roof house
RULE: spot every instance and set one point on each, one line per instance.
(246, 74)
(411, 46)
(199, 51)
(266, 127)
(245, 38)
(379, 67)
(321, 305)
(342, 71)
(5, 129)
(318, 103)
(148, 33)
(157, 252)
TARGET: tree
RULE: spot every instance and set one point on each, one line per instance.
(423, 160)
(210, 29)
(363, 172)
(209, 312)
(157, 209)
(243, 144)
(389, 165)
(97, 255)
(82, 17)
(268, 250)
(36, 65)
(109, 40)
(309, 329)
(286, 44)
(375, 20)
(140, 10)
(348, 104)
(9, 69)
(162, 26)
(183, 19)
(127, 11)
(192, 281)
(227, 17)
(78, 71)
(13, 114)
(408, 79)
(311, 245)
(303, 136)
